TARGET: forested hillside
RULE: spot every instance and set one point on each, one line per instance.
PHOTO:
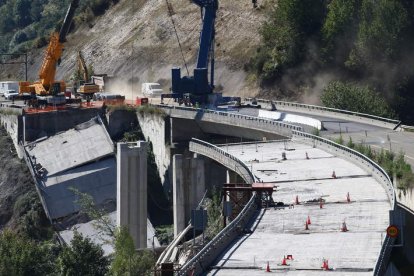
(359, 52)
(28, 23)
(349, 54)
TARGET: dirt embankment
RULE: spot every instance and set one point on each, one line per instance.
(135, 42)
(20, 207)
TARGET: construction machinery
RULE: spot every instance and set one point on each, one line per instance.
(197, 88)
(47, 88)
(86, 88)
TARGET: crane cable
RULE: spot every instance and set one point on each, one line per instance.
(170, 13)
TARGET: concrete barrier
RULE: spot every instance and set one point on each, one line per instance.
(330, 112)
(222, 157)
(206, 256)
(377, 172)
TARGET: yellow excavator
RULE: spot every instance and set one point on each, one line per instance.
(86, 88)
(47, 87)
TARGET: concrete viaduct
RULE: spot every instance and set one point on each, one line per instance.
(348, 199)
(321, 188)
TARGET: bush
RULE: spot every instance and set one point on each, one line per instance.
(82, 258)
(349, 96)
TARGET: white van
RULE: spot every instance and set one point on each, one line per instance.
(8, 85)
(151, 90)
(11, 94)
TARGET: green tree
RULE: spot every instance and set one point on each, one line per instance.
(127, 261)
(82, 257)
(87, 205)
(21, 256)
(338, 31)
(349, 96)
(290, 25)
(22, 13)
(382, 30)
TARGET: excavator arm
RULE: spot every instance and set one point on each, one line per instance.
(83, 69)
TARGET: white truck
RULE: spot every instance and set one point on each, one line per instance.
(8, 85)
(151, 90)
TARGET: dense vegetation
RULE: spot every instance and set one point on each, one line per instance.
(393, 164)
(363, 46)
(28, 23)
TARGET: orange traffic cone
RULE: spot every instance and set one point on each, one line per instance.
(306, 225)
(268, 267)
(348, 198)
(344, 228)
(320, 203)
(283, 261)
(297, 200)
(333, 174)
(325, 265)
(308, 221)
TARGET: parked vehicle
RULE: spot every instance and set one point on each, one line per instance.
(8, 85)
(151, 90)
(11, 94)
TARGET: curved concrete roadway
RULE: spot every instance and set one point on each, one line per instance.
(278, 232)
(376, 137)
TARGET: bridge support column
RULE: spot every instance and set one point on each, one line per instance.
(132, 190)
(233, 177)
(188, 188)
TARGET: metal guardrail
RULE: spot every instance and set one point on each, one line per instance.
(211, 250)
(223, 157)
(345, 114)
(233, 119)
(378, 173)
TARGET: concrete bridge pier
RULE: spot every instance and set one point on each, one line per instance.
(233, 177)
(132, 190)
(188, 188)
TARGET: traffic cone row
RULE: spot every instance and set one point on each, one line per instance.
(325, 263)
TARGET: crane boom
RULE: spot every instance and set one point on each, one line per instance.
(198, 87)
(47, 84)
(207, 34)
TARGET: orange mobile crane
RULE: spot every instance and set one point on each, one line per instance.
(47, 87)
